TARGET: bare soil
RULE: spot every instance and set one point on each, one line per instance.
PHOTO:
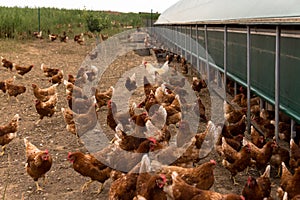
(63, 182)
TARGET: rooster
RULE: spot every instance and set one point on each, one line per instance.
(38, 162)
(8, 132)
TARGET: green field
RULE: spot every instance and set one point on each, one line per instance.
(20, 23)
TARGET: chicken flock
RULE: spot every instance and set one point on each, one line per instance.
(154, 153)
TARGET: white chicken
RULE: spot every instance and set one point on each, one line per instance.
(153, 70)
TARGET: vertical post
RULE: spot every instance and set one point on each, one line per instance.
(225, 61)
(197, 49)
(39, 18)
(151, 18)
(277, 81)
(248, 77)
(207, 57)
(293, 129)
(185, 43)
(191, 50)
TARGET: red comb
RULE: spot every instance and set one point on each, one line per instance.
(152, 140)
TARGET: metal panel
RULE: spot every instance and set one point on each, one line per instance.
(216, 47)
(289, 75)
(237, 52)
(263, 62)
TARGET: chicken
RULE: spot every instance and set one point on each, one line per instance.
(193, 151)
(38, 162)
(201, 176)
(43, 94)
(22, 70)
(148, 87)
(279, 155)
(284, 130)
(46, 109)
(235, 115)
(68, 118)
(6, 63)
(57, 78)
(158, 117)
(114, 117)
(64, 37)
(80, 105)
(130, 83)
(76, 37)
(73, 90)
(79, 38)
(256, 138)
(153, 70)
(86, 121)
(52, 37)
(8, 132)
(258, 189)
(128, 142)
(103, 97)
(199, 109)
(294, 154)
(3, 84)
(14, 90)
(198, 84)
(289, 182)
(236, 161)
(87, 165)
(125, 161)
(124, 188)
(150, 186)
(228, 108)
(184, 133)
(48, 71)
(236, 128)
(180, 190)
(71, 79)
(173, 111)
(261, 156)
(38, 34)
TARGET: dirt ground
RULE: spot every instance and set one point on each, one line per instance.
(63, 182)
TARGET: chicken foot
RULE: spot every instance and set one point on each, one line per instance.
(86, 185)
(3, 150)
(234, 181)
(38, 188)
(100, 188)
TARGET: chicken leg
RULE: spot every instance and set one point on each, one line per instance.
(234, 181)
(100, 188)
(3, 150)
(86, 185)
(38, 188)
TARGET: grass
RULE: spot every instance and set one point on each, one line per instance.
(20, 23)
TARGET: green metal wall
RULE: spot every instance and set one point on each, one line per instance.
(262, 65)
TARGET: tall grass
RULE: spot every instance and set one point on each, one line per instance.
(20, 23)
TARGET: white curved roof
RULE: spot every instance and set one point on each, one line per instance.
(231, 11)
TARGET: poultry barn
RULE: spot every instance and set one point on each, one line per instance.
(246, 52)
